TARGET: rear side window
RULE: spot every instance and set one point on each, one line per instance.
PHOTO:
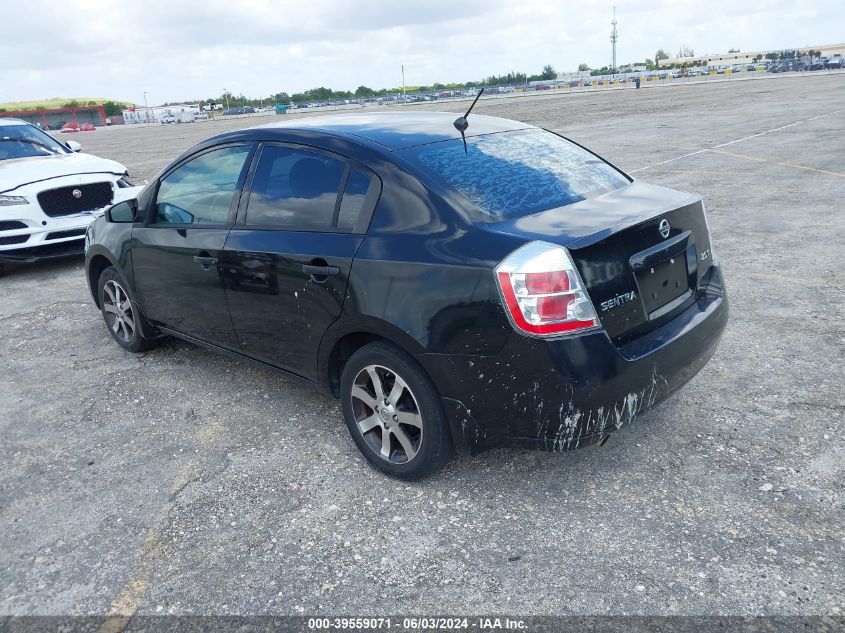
(294, 189)
(358, 196)
(512, 174)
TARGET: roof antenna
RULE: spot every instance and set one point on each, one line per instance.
(461, 124)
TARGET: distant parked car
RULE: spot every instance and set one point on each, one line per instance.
(87, 127)
(201, 116)
(167, 119)
(69, 127)
(50, 193)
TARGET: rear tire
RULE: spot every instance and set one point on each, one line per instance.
(122, 318)
(393, 412)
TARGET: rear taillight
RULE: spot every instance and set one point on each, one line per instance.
(543, 292)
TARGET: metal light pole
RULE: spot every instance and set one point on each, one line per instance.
(226, 94)
(614, 37)
(146, 108)
(403, 82)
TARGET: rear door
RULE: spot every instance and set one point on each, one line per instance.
(177, 254)
(287, 260)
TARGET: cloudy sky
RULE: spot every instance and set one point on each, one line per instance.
(178, 50)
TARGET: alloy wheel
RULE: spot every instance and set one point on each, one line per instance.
(387, 414)
(118, 312)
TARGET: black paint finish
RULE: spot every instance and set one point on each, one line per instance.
(280, 311)
(177, 275)
(419, 272)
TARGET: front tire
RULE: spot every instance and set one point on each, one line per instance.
(119, 312)
(393, 412)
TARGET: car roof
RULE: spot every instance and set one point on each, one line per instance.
(10, 121)
(398, 130)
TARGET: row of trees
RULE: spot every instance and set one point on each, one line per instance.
(787, 55)
(365, 92)
(112, 108)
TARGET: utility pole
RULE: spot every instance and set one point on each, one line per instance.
(614, 37)
(403, 82)
(146, 107)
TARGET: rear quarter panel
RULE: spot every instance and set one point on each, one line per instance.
(427, 271)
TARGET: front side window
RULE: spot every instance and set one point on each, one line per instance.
(24, 141)
(512, 174)
(201, 190)
(294, 189)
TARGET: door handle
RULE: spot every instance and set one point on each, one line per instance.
(205, 261)
(320, 271)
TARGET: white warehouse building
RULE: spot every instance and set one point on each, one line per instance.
(830, 51)
(181, 114)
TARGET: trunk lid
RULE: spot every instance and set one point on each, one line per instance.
(641, 250)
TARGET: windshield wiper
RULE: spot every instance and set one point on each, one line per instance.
(31, 142)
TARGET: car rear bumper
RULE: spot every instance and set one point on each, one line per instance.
(565, 393)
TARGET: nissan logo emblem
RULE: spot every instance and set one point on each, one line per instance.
(663, 227)
(76, 193)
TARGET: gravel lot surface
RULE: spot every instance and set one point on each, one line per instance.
(180, 481)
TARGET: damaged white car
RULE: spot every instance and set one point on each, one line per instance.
(50, 193)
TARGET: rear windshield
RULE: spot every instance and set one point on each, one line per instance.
(511, 174)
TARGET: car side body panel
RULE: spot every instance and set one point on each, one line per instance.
(111, 242)
(279, 311)
(423, 277)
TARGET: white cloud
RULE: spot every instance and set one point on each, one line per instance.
(177, 50)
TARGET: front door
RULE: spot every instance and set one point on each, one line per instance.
(177, 255)
(287, 260)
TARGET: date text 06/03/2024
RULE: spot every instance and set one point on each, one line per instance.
(418, 623)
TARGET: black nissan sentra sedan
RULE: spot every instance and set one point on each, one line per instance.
(503, 288)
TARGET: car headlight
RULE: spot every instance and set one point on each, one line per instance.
(8, 201)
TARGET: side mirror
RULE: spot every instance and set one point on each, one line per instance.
(123, 212)
(74, 146)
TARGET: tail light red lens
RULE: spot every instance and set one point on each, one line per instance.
(554, 308)
(546, 283)
(543, 292)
